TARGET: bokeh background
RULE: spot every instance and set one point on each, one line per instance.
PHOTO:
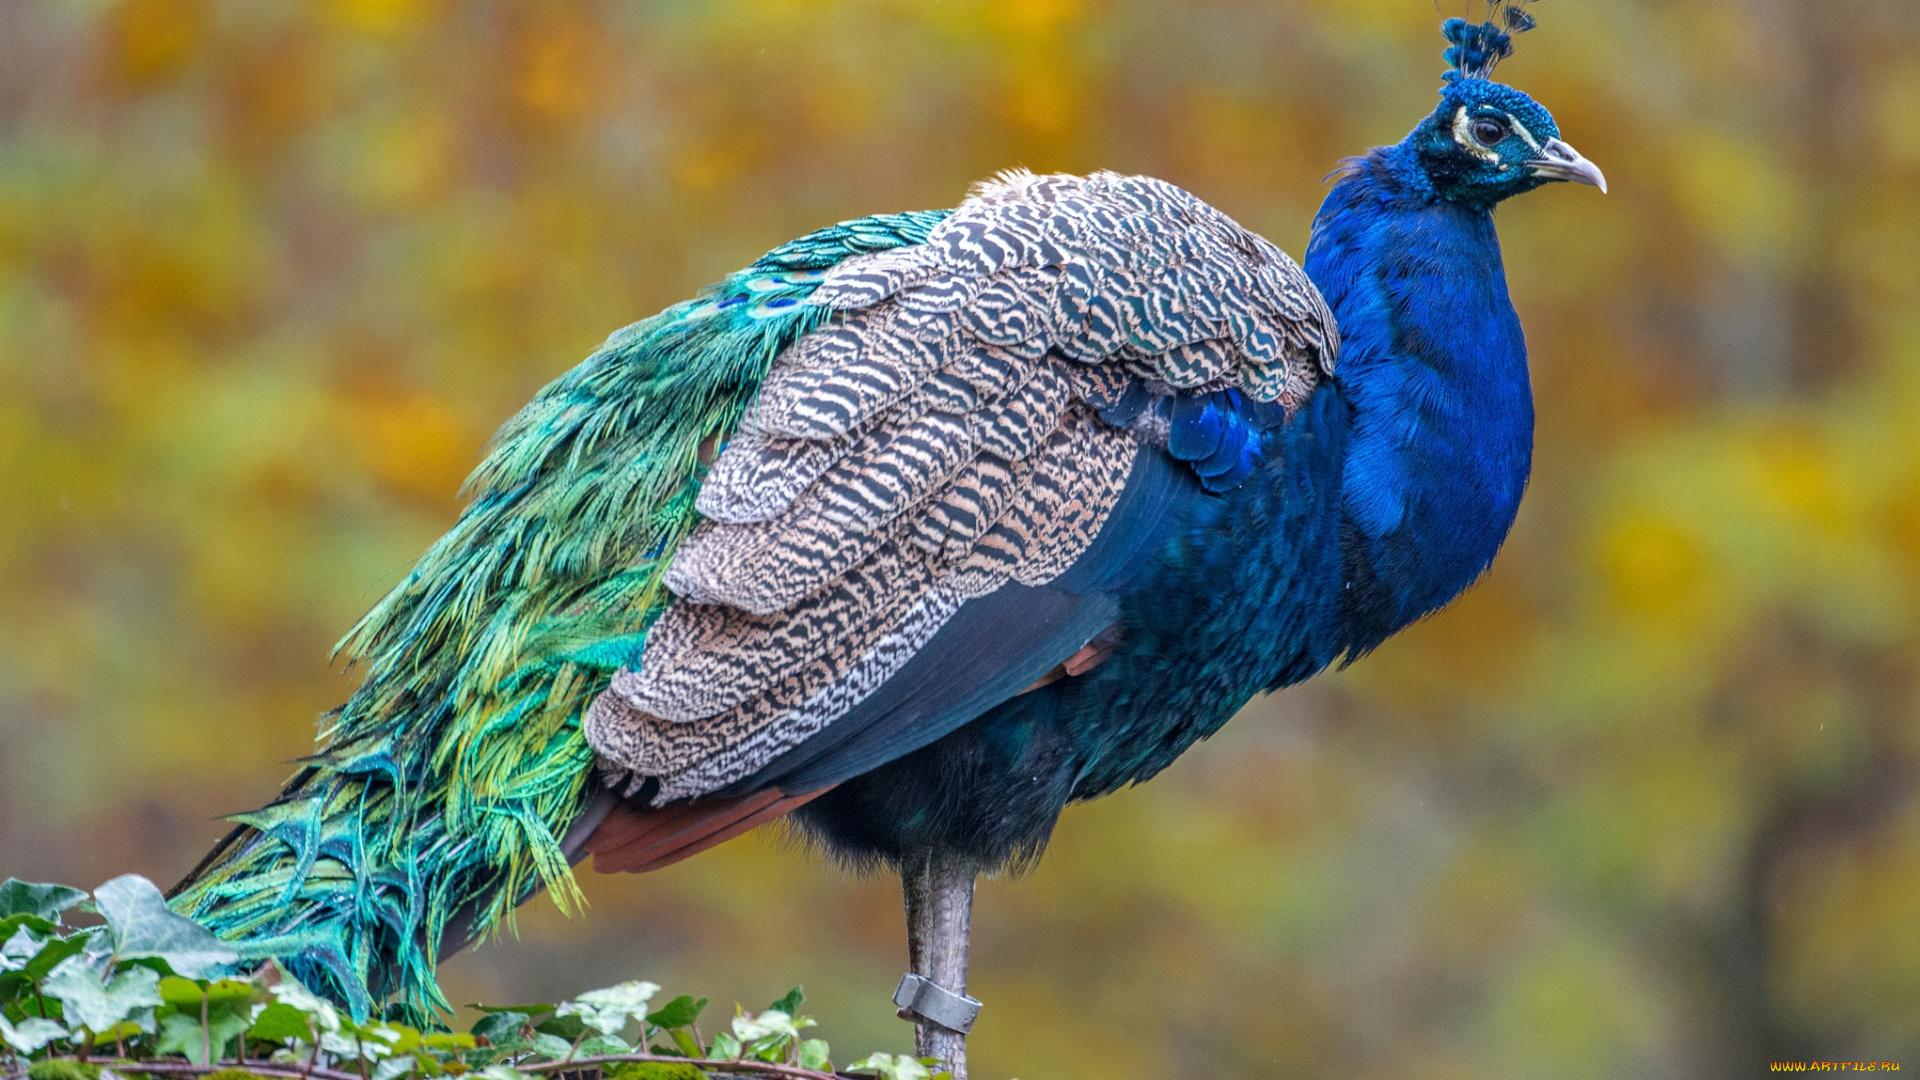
(1645, 803)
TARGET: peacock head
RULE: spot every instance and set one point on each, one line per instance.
(1487, 141)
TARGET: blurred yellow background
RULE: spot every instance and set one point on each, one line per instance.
(1645, 803)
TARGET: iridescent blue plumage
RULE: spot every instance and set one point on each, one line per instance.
(1372, 507)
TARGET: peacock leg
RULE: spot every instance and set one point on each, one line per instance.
(939, 891)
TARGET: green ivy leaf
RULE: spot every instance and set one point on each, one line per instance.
(394, 1067)
(21, 939)
(182, 1034)
(85, 999)
(126, 1029)
(771, 1022)
(680, 1012)
(281, 1022)
(790, 1004)
(603, 1044)
(226, 1028)
(16, 950)
(403, 1038)
(30, 1034)
(52, 955)
(607, 1011)
(891, 1067)
(183, 994)
(813, 1055)
(232, 995)
(41, 901)
(356, 1043)
(319, 1011)
(562, 1027)
(552, 1046)
(725, 1048)
(40, 926)
(198, 1017)
(503, 1030)
(142, 925)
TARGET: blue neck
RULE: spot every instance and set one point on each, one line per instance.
(1434, 366)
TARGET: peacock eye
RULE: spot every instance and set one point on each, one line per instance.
(1489, 132)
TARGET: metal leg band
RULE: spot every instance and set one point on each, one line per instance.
(923, 997)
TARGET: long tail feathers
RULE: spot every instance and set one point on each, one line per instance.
(451, 782)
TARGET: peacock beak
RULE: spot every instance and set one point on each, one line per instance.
(1558, 161)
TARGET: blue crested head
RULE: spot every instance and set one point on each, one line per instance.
(1487, 142)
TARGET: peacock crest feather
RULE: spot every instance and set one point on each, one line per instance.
(443, 787)
(1475, 49)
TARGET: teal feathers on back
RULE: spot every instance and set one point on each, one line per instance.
(444, 784)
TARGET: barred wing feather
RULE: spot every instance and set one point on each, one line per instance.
(958, 427)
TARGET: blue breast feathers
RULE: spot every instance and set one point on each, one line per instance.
(1435, 367)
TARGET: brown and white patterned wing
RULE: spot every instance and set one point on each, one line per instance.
(937, 439)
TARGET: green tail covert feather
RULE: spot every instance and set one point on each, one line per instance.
(443, 784)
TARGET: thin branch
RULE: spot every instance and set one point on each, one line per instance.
(751, 1068)
(314, 1072)
(183, 1068)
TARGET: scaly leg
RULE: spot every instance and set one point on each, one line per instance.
(939, 893)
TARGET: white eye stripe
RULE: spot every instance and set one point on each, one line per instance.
(1463, 134)
(1524, 133)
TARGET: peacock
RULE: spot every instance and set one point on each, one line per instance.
(915, 531)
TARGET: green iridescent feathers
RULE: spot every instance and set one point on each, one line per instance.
(443, 786)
